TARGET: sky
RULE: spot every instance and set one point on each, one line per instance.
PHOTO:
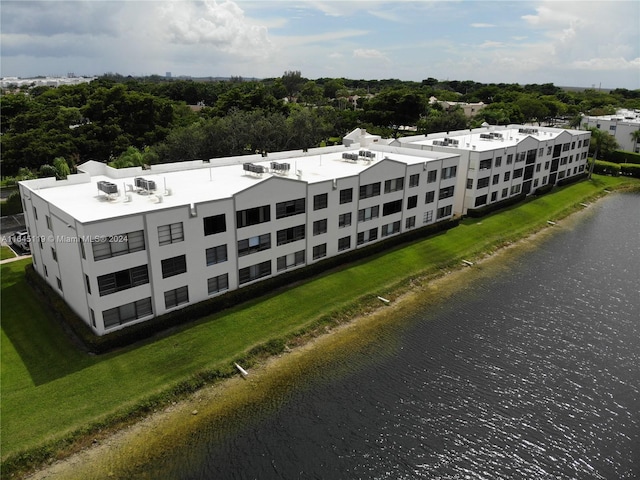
(583, 43)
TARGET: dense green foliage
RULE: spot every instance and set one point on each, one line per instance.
(55, 394)
(132, 121)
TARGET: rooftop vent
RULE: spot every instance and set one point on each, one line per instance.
(528, 131)
(107, 187)
(143, 184)
(257, 169)
(353, 157)
(280, 167)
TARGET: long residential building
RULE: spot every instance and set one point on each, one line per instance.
(622, 126)
(122, 246)
(499, 162)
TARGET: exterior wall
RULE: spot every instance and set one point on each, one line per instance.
(621, 128)
(68, 251)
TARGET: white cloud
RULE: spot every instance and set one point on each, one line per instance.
(220, 25)
(369, 53)
(618, 63)
(482, 25)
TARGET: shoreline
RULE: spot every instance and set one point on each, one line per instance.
(120, 450)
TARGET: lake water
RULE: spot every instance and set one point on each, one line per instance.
(533, 373)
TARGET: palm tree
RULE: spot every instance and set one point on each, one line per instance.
(636, 138)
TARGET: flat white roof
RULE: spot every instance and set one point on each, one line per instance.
(503, 137)
(84, 202)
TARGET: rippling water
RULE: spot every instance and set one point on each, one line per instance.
(534, 373)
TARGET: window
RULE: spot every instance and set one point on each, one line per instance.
(518, 173)
(445, 193)
(469, 183)
(410, 222)
(585, 143)
(253, 216)
(390, 229)
(494, 196)
(346, 195)
(254, 272)
(371, 190)
(430, 197)
(563, 161)
(254, 244)
(505, 192)
(538, 166)
(449, 172)
(290, 261)
(319, 251)
(394, 185)
(35, 213)
(509, 159)
(495, 180)
(565, 147)
(368, 236)
(483, 182)
(432, 176)
(535, 183)
(498, 161)
(412, 202)
(46, 272)
(414, 180)
(344, 243)
(428, 217)
(320, 227)
(59, 283)
(515, 189)
(507, 176)
(485, 164)
(320, 201)
(87, 283)
(215, 224)
(368, 213)
(216, 254)
(115, 245)
(549, 150)
(579, 143)
(93, 317)
(122, 280)
(175, 297)
(344, 220)
(289, 235)
(218, 284)
(54, 254)
(48, 220)
(556, 150)
(174, 266)
(84, 255)
(127, 313)
(290, 208)
(520, 157)
(481, 200)
(573, 145)
(546, 165)
(540, 152)
(172, 233)
(444, 212)
(392, 207)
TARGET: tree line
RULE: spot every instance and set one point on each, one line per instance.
(129, 121)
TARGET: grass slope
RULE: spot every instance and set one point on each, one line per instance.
(50, 389)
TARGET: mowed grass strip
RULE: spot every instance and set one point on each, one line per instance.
(51, 389)
(6, 252)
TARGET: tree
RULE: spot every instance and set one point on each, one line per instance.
(62, 168)
(601, 143)
(635, 136)
(292, 81)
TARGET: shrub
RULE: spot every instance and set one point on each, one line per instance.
(622, 156)
(630, 169)
(487, 209)
(606, 168)
(12, 206)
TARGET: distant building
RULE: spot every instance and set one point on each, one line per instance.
(123, 246)
(621, 126)
(469, 109)
(499, 162)
(20, 82)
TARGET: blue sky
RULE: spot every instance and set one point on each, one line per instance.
(568, 43)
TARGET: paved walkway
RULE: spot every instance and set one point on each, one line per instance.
(14, 259)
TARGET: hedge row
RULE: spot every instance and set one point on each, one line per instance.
(622, 156)
(12, 206)
(573, 179)
(615, 169)
(487, 209)
(141, 331)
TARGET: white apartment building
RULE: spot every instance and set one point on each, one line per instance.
(500, 162)
(123, 246)
(622, 125)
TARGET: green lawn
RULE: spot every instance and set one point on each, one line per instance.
(50, 388)
(6, 252)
